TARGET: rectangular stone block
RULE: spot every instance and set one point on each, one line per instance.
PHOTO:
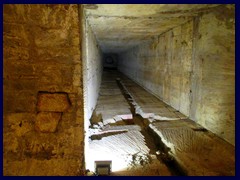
(53, 102)
(47, 121)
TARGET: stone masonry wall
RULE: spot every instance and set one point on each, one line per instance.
(163, 66)
(42, 86)
(192, 68)
(213, 78)
(92, 70)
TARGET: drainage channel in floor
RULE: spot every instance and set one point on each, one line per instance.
(153, 142)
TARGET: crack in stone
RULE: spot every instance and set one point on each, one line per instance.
(106, 134)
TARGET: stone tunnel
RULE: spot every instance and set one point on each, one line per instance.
(144, 89)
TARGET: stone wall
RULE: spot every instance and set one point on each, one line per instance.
(92, 68)
(163, 66)
(213, 79)
(42, 85)
(192, 68)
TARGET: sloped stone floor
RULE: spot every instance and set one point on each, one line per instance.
(141, 134)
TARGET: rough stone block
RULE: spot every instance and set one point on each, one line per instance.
(47, 121)
(19, 123)
(16, 53)
(18, 98)
(54, 102)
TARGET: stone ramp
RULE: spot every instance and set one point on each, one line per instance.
(147, 105)
(198, 151)
(123, 144)
(127, 150)
(111, 105)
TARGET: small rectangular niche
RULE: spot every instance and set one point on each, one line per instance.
(103, 168)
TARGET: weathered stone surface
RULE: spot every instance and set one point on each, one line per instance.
(20, 123)
(192, 69)
(42, 47)
(10, 143)
(92, 69)
(47, 121)
(16, 105)
(199, 152)
(111, 102)
(132, 25)
(213, 92)
(35, 167)
(56, 102)
(162, 69)
(146, 104)
(41, 54)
